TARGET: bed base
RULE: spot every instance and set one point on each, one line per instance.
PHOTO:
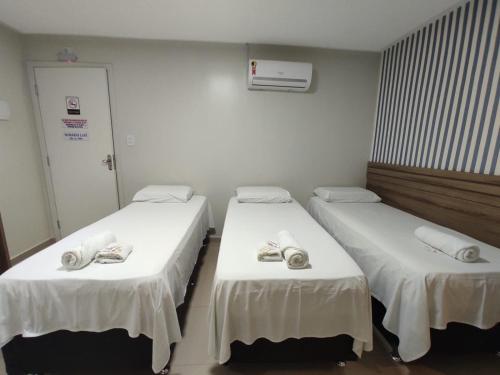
(106, 352)
(333, 349)
(67, 352)
(448, 341)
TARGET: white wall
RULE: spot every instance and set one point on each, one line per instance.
(195, 122)
(22, 194)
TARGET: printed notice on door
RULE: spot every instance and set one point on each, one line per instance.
(75, 123)
(76, 135)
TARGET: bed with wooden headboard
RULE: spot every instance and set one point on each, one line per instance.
(421, 296)
(466, 202)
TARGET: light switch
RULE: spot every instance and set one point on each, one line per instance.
(130, 140)
(4, 110)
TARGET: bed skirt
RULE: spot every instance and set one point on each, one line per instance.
(456, 338)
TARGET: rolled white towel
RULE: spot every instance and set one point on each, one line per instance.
(113, 253)
(76, 258)
(80, 256)
(455, 247)
(295, 256)
(269, 252)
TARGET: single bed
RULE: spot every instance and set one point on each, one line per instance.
(252, 300)
(38, 297)
(419, 288)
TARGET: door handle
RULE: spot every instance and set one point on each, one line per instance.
(108, 161)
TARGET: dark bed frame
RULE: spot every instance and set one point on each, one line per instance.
(109, 352)
(332, 349)
(466, 202)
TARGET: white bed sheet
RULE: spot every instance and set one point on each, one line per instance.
(420, 289)
(140, 295)
(252, 299)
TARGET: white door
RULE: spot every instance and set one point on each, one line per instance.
(76, 121)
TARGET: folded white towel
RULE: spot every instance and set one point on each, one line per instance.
(269, 252)
(295, 256)
(82, 255)
(455, 247)
(113, 253)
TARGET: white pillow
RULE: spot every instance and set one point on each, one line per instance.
(262, 194)
(346, 195)
(164, 194)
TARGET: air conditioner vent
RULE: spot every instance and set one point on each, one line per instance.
(279, 75)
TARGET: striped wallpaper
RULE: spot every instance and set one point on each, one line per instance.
(439, 92)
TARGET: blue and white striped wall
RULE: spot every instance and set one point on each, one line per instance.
(439, 92)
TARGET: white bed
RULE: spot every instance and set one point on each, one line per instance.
(419, 288)
(140, 295)
(252, 299)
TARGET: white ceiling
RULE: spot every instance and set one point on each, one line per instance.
(345, 24)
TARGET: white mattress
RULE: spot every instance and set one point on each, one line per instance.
(420, 289)
(140, 295)
(252, 299)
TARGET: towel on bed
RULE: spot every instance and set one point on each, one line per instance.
(269, 252)
(113, 253)
(76, 258)
(80, 256)
(448, 244)
(295, 256)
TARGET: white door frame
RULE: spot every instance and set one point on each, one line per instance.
(31, 65)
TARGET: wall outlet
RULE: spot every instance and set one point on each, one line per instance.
(130, 140)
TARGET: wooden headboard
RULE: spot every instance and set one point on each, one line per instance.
(466, 202)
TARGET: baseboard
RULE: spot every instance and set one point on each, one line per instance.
(35, 249)
(214, 237)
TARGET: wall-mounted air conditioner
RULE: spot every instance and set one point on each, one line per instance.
(279, 75)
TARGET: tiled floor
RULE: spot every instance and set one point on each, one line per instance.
(190, 356)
